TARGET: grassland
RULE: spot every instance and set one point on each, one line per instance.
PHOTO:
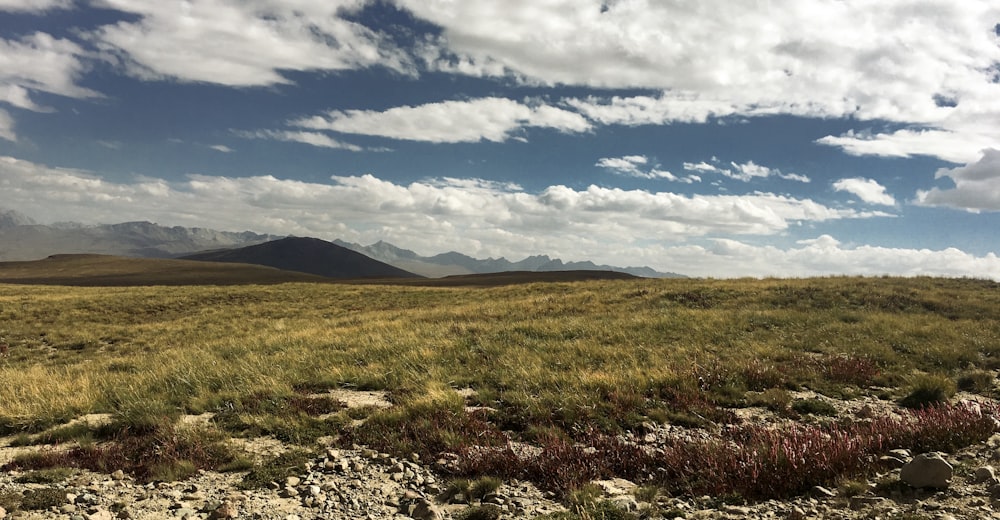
(553, 364)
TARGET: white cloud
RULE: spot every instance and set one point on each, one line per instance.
(809, 58)
(492, 119)
(977, 185)
(243, 43)
(824, 256)
(7, 126)
(294, 136)
(631, 166)
(867, 190)
(34, 6)
(440, 215)
(221, 148)
(483, 218)
(42, 63)
(745, 172)
(948, 145)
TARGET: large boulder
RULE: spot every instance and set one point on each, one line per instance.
(927, 470)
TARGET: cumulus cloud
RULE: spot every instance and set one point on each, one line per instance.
(243, 43)
(806, 58)
(42, 63)
(484, 218)
(867, 190)
(826, 255)
(632, 166)
(977, 185)
(491, 119)
(745, 172)
(439, 214)
(33, 6)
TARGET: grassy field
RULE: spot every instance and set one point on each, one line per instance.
(557, 365)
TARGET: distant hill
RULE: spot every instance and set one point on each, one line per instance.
(519, 277)
(22, 239)
(307, 255)
(452, 263)
(104, 270)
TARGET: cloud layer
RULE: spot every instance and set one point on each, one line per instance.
(243, 43)
(482, 218)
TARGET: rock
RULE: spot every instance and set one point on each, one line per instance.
(100, 514)
(985, 474)
(901, 454)
(424, 510)
(927, 470)
(292, 481)
(616, 486)
(796, 514)
(3, 513)
(226, 510)
(891, 462)
(118, 475)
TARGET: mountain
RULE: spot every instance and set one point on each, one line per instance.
(11, 218)
(307, 255)
(22, 239)
(105, 270)
(452, 263)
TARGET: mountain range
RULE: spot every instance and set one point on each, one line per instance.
(22, 238)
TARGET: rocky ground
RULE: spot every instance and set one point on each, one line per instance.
(362, 483)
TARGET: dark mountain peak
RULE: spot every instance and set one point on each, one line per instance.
(307, 255)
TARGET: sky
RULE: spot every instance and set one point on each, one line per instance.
(705, 137)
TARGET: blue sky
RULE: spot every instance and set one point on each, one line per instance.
(711, 138)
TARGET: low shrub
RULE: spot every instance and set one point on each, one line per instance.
(752, 461)
(486, 512)
(928, 389)
(276, 469)
(977, 382)
(814, 407)
(164, 452)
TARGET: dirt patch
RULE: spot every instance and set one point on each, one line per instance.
(358, 398)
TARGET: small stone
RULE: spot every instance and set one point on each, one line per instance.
(226, 510)
(425, 510)
(891, 462)
(67, 509)
(796, 514)
(118, 475)
(985, 474)
(3, 513)
(100, 514)
(288, 492)
(901, 454)
(315, 490)
(927, 470)
(292, 481)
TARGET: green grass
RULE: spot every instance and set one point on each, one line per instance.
(549, 361)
